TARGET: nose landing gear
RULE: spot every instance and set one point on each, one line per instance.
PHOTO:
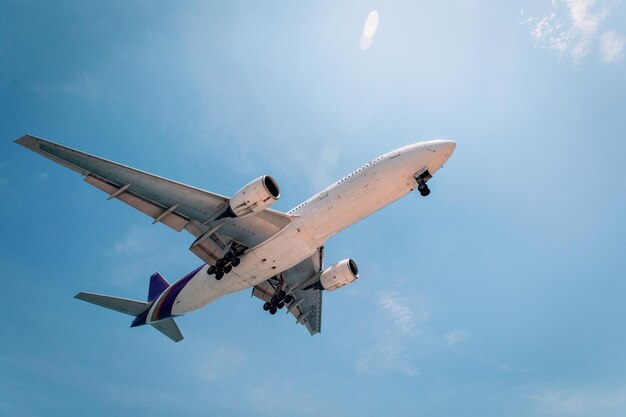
(421, 179)
(423, 189)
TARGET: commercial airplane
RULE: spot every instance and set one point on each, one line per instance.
(242, 242)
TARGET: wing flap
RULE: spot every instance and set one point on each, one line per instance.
(173, 220)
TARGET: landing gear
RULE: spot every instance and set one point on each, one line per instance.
(279, 300)
(421, 182)
(224, 266)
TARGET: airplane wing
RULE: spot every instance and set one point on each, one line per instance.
(174, 204)
(307, 304)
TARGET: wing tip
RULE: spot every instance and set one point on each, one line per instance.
(27, 141)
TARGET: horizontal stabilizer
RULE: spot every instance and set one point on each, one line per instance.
(123, 305)
(170, 329)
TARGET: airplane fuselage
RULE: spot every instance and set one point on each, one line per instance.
(354, 197)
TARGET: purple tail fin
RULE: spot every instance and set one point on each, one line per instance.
(158, 284)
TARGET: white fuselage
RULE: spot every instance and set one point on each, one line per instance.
(354, 197)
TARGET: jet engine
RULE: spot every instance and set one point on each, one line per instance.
(256, 196)
(339, 275)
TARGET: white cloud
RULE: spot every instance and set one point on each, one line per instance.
(612, 46)
(402, 315)
(582, 401)
(369, 30)
(395, 350)
(574, 27)
(43, 177)
(455, 337)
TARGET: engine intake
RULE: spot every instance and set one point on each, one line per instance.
(256, 196)
(339, 275)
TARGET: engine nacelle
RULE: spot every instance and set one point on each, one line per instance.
(339, 275)
(256, 196)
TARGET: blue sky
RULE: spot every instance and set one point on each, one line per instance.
(501, 294)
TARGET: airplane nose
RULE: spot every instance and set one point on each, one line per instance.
(445, 146)
(449, 146)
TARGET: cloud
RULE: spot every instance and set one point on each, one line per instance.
(582, 401)
(369, 30)
(393, 352)
(574, 27)
(43, 177)
(402, 315)
(455, 337)
(612, 46)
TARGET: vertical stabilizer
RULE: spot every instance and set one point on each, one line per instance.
(158, 284)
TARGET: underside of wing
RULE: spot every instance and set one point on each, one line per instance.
(174, 204)
(306, 300)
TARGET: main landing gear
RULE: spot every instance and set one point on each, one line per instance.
(278, 301)
(224, 266)
(421, 183)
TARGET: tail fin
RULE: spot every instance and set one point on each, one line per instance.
(123, 305)
(158, 284)
(138, 309)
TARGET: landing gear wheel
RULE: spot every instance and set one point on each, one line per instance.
(273, 310)
(228, 256)
(288, 299)
(235, 262)
(211, 270)
(281, 294)
(219, 275)
(425, 192)
(228, 268)
(280, 305)
(267, 306)
(220, 264)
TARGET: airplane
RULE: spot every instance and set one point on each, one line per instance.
(242, 242)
